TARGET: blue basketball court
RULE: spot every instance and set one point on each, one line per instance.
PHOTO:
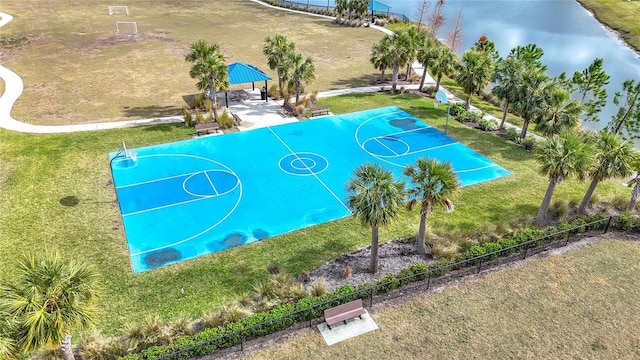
(191, 198)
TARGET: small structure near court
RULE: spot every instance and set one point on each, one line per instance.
(118, 9)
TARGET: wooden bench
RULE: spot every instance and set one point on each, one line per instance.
(319, 110)
(236, 119)
(343, 312)
(288, 110)
(207, 128)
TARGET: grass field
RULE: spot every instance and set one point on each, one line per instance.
(622, 16)
(581, 305)
(93, 75)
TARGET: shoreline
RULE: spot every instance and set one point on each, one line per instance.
(616, 33)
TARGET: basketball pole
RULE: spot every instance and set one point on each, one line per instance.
(446, 122)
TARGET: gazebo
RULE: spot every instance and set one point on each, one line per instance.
(240, 73)
(376, 6)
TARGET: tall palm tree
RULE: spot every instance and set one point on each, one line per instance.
(558, 111)
(474, 73)
(426, 54)
(444, 63)
(49, 298)
(399, 52)
(529, 97)
(277, 49)
(375, 198)
(299, 71)
(560, 157)
(635, 181)
(381, 57)
(416, 38)
(614, 157)
(210, 69)
(434, 183)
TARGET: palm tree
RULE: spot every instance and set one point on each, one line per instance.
(298, 71)
(49, 298)
(590, 85)
(614, 157)
(210, 70)
(635, 193)
(529, 96)
(426, 54)
(416, 38)
(510, 74)
(560, 157)
(399, 52)
(277, 49)
(435, 183)
(381, 57)
(558, 111)
(443, 64)
(375, 198)
(474, 73)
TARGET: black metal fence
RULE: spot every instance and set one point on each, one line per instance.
(326, 8)
(383, 291)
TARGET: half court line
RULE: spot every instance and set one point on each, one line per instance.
(310, 171)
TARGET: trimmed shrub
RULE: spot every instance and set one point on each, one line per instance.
(405, 276)
(474, 252)
(456, 109)
(152, 352)
(387, 283)
(441, 266)
(488, 125)
(512, 134)
(421, 271)
(492, 247)
(506, 244)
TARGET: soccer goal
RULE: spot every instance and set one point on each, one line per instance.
(118, 9)
(126, 27)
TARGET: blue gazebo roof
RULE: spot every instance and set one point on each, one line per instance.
(239, 73)
(378, 6)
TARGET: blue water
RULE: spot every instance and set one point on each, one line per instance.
(191, 198)
(569, 35)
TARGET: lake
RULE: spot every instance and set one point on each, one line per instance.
(569, 35)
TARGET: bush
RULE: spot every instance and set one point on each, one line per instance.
(559, 209)
(188, 119)
(492, 247)
(511, 134)
(225, 120)
(529, 144)
(488, 125)
(421, 271)
(469, 116)
(456, 109)
(318, 288)
(405, 276)
(274, 92)
(474, 252)
(429, 90)
(387, 283)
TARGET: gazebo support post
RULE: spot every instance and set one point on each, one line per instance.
(226, 99)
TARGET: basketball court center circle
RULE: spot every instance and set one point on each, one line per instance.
(303, 163)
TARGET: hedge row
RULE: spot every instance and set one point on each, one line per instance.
(309, 308)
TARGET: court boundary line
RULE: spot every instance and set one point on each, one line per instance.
(231, 211)
(427, 126)
(312, 173)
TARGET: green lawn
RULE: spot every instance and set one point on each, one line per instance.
(92, 75)
(581, 305)
(40, 170)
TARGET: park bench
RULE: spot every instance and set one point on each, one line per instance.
(343, 312)
(319, 110)
(236, 119)
(288, 110)
(207, 128)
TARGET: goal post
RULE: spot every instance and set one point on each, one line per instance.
(118, 9)
(126, 27)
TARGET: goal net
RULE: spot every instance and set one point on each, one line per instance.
(126, 27)
(118, 9)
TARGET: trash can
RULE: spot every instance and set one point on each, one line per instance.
(263, 93)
